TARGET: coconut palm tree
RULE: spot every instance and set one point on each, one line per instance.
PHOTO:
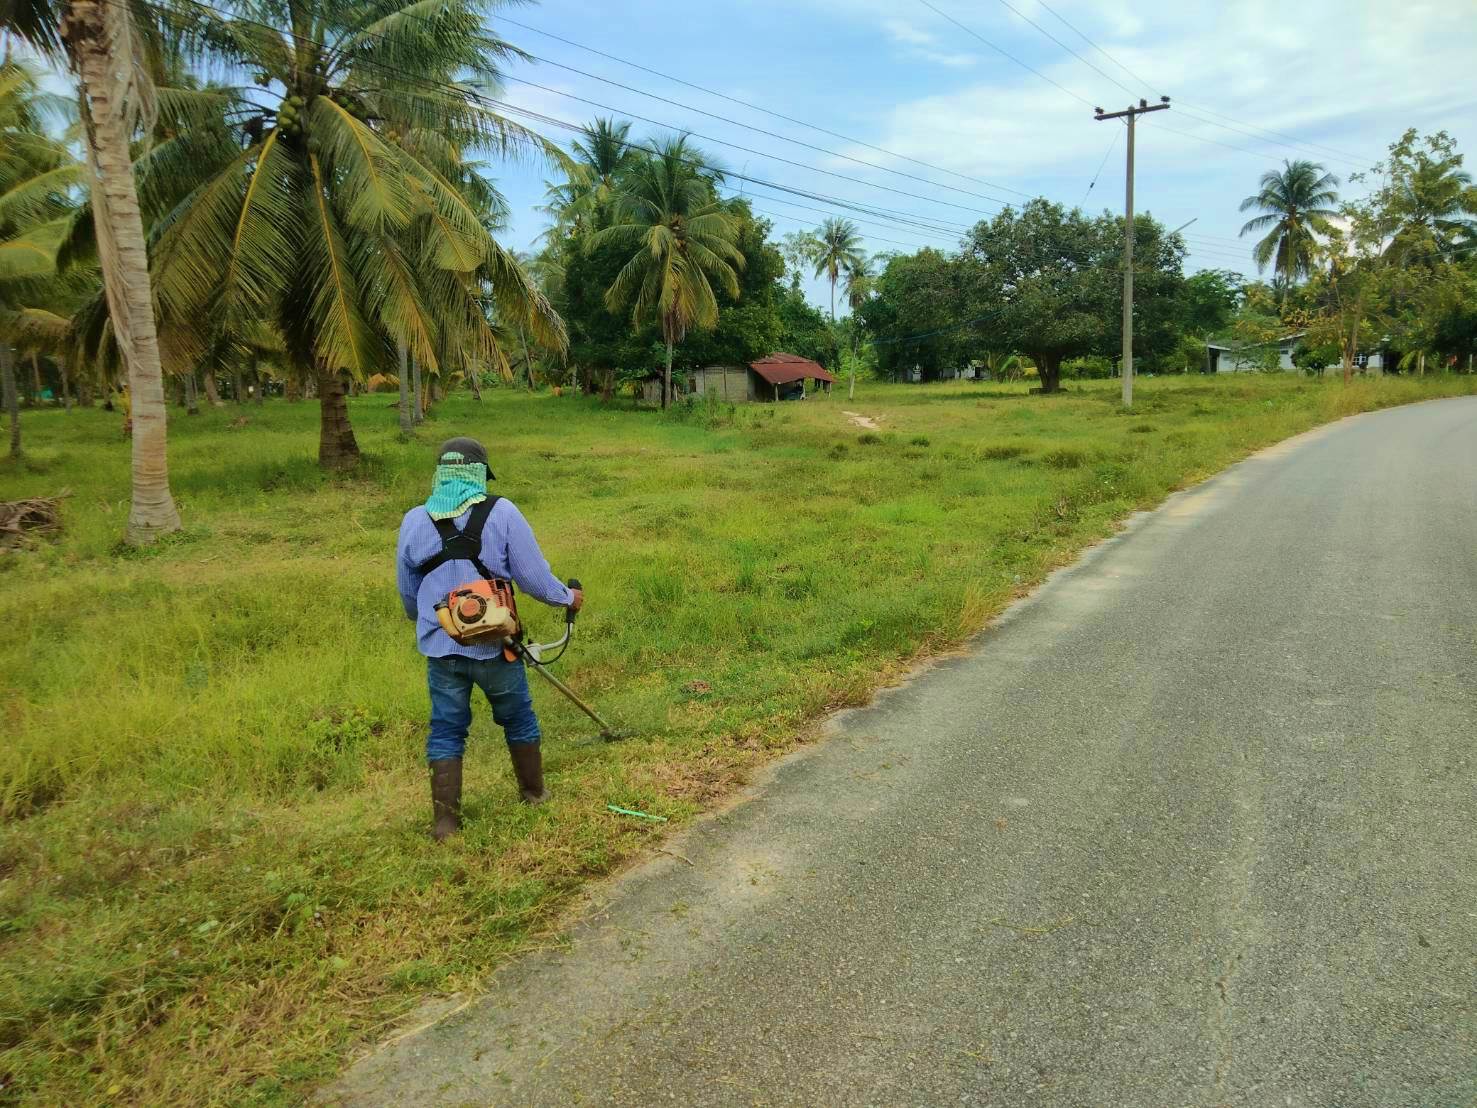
(838, 250)
(1296, 205)
(103, 43)
(37, 180)
(333, 198)
(683, 238)
(861, 283)
(1437, 202)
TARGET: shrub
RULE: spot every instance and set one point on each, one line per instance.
(1002, 451)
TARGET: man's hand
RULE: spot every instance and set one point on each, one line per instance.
(579, 599)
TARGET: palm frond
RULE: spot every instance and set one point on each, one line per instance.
(343, 340)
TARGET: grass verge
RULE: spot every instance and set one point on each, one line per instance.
(214, 877)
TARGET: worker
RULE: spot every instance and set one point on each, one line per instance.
(460, 533)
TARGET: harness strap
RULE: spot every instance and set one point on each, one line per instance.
(464, 545)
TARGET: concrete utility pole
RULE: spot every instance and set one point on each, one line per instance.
(1130, 114)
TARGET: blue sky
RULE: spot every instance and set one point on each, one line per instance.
(1337, 80)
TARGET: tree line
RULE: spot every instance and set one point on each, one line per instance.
(1393, 270)
(288, 195)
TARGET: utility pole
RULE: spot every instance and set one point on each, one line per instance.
(1130, 114)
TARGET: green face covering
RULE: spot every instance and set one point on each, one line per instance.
(456, 487)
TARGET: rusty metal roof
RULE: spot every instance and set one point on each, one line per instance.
(781, 369)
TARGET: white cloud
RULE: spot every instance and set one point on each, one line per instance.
(924, 45)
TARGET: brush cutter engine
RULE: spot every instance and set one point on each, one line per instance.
(479, 611)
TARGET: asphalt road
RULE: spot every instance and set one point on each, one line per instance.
(1194, 825)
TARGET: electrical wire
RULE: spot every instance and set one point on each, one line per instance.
(757, 107)
(475, 96)
(1106, 155)
(1143, 84)
(1068, 49)
(768, 134)
(750, 149)
(999, 50)
(1298, 148)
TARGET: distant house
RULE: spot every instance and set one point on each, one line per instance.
(773, 377)
(1228, 357)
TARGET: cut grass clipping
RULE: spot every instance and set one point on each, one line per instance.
(215, 878)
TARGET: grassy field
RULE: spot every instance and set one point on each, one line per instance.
(214, 874)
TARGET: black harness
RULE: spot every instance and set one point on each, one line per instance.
(464, 545)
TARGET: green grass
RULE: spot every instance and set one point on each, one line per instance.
(214, 873)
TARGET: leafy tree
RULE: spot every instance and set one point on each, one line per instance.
(677, 238)
(108, 48)
(1037, 278)
(1210, 299)
(915, 312)
(346, 214)
(1428, 197)
(799, 249)
(803, 329)
(37, 176)
(1295, 203)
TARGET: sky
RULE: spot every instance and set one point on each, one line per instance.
(916, 106)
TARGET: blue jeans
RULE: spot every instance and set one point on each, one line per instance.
(504, 683)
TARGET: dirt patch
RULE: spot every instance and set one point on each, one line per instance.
(856, 419)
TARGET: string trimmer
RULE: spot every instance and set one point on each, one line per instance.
(535, 655)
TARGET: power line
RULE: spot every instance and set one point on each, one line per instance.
(1068, 49)
(751, 150)
(839, 204)
(871, 237)
(1183, 104)
(1144, 85)
(1106, 155)
(1299, 148)
(757, 107)
(1304, 142)
(1000, 50)
(481, 98)
(768, 134)
(940, 233)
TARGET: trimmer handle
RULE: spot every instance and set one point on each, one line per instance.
(570, 613)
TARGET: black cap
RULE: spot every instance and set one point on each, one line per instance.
(470, 450)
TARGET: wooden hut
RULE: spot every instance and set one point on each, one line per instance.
(773, 377)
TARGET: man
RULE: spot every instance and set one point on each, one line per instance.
(508, 551)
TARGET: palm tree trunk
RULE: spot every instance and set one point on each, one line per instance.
(527, 361)
(12, 401)
(61, 369)
(85, 398)
(212, 392)
(336, 444)
(192, 398)
(238, 391)
(406, 425)
(90, 28)
(258, 381)
(419, 411)
(35, 379)
(667, 378)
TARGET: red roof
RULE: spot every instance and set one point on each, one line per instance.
(781, 369)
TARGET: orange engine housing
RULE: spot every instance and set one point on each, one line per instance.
(479, 610)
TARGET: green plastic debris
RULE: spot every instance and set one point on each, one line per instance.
(638, 815)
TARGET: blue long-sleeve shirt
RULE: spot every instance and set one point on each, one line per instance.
(509, 551)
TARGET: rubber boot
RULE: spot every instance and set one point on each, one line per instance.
(446, 797)
(528, 767)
